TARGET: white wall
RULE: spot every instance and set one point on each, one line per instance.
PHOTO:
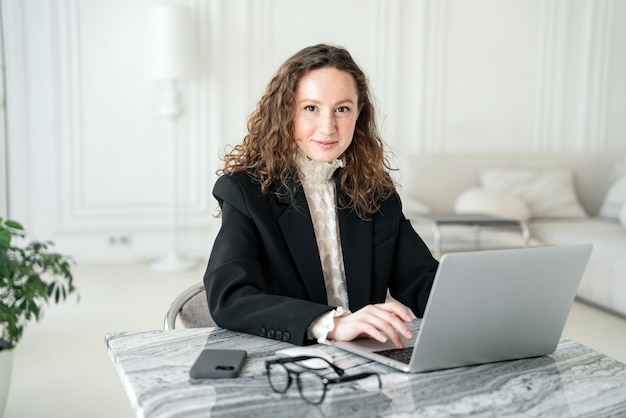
(88, 151)
(3, 140)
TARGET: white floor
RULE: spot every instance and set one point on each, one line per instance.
(62, 369)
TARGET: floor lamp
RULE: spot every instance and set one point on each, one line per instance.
(171, 60)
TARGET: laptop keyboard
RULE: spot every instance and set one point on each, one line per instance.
(403, 355)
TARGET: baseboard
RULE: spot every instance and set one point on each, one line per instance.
(601, 307)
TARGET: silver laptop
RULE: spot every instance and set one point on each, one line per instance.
(489, 306)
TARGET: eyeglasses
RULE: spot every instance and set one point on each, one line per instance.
(311, 384)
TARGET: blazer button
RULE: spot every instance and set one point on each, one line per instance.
(263, 332)
(279, 335)
(271, 333)
(286, 336)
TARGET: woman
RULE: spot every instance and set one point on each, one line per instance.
(312, 232)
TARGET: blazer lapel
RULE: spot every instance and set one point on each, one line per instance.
(297, 229)
(357, 245)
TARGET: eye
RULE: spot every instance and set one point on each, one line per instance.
(309, 108)
(343, 109)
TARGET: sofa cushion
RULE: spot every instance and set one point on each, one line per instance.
(614, 199)
(492, 202)
(548, 193)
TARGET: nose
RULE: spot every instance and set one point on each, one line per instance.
(327, 124)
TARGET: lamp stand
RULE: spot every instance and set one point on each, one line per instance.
(172, 109)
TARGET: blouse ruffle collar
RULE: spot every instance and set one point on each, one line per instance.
(316, 172)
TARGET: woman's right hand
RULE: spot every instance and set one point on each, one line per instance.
(382, 321)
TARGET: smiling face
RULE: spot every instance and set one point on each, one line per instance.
(326, 112)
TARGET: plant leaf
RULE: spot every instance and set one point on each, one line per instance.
(14, 225)
(5, 239)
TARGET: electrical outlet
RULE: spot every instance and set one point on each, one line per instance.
(121, 239)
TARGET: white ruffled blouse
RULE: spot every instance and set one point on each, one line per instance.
(319, 188)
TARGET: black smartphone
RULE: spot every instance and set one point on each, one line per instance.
(217, 364)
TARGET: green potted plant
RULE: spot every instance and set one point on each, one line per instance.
(30, 276)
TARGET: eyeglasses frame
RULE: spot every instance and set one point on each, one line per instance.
(325, 380)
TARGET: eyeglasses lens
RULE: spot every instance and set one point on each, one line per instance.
(278, 377)
(311, 387)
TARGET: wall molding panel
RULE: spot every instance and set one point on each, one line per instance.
(19, 177)
(553, 47)
(211, 50)
(434, 74)
(77, 213)
(65, 35)
(595, 65)
(385, 37)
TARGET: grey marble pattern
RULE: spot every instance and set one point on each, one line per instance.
(154, 366)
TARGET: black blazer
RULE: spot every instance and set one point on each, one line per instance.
(264, 275)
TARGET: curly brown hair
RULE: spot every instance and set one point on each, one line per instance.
(268, 151)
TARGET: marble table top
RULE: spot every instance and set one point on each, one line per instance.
(154, 367)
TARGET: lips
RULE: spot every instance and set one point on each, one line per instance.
(325, 144)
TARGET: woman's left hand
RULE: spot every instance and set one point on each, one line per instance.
(382, 321)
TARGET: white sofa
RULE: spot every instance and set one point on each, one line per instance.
(537, 185)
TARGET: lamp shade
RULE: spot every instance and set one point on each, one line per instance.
(171, 43)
